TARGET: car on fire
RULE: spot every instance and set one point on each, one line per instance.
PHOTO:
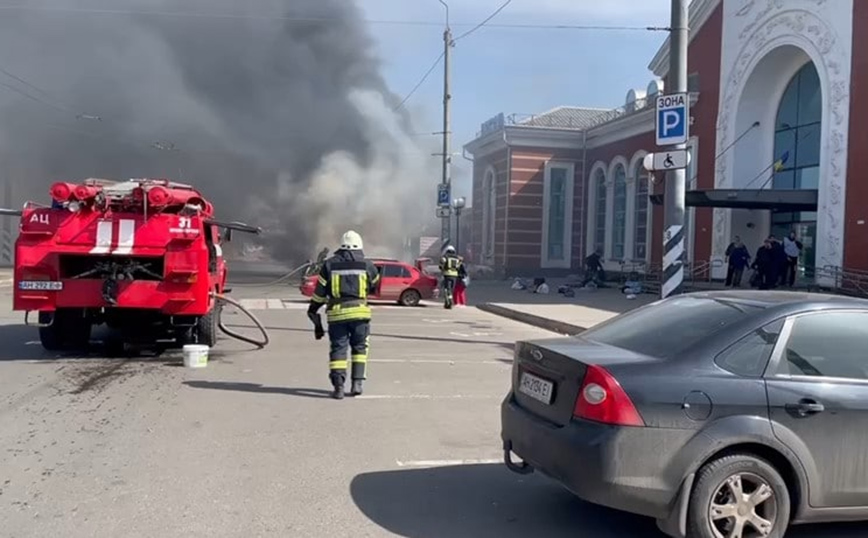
(719, 414)
(400, 282)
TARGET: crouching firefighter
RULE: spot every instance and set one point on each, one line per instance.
(345, 281)
(450, 265)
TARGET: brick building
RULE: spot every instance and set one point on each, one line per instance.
(770, 82)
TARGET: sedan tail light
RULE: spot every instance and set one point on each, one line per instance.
(602, 399)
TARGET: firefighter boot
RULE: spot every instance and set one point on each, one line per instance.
(338, 384)
(356, 390)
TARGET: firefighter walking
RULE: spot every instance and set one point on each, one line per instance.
(345, 281)
(450, 265)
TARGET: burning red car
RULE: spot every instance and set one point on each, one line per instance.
(399, 282)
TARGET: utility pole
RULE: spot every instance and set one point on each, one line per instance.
(448, 43)
(676, 180)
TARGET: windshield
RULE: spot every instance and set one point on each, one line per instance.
(667, 328)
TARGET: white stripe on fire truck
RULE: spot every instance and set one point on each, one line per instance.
(104, 231)
(126, 237)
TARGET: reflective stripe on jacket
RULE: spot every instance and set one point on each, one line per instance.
(344, 284)
(449, 265)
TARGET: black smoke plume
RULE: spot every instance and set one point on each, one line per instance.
(276, 110)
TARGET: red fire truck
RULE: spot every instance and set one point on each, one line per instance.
(142, 256)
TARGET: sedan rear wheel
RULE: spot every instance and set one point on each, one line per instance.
(739, 496)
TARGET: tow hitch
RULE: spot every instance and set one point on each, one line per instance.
(520, 468)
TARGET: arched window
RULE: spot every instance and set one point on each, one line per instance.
(797, 144)
(489, 207)
(797, 132)
(619, 228)
(600, 211)
(640, 245)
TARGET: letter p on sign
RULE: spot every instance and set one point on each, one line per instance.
(673, 119)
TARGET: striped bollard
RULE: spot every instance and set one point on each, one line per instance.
(673, 266)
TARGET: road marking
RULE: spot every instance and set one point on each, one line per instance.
(426, 397)
(446, 463)
(474, 334)
(274, 304)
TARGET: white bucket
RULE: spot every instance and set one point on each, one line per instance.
(195, 356)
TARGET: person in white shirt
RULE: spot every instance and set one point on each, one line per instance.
(793, 249)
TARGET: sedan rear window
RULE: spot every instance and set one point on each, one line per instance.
(667, 328)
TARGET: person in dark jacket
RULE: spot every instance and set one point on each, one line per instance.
(730, 270)
(594, 269)
(780, 260)
(345, 282)
(764, 265)
(739, 260)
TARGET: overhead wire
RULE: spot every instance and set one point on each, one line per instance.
(481, 24)
(421, 81)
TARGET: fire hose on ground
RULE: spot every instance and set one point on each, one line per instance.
(265, 338)
(229, 332)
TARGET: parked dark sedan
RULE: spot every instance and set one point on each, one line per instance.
(720, 414)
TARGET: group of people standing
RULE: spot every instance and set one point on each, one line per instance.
(775, 263)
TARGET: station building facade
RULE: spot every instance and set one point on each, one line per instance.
(778, 89)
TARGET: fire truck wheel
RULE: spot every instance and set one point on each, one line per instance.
(207, 327)
(70, 330)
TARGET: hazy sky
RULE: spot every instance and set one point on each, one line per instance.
(521, 71)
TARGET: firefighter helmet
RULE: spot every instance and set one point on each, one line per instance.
(450, 250)
(351, 241)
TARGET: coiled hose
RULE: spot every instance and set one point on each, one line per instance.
(229, 332)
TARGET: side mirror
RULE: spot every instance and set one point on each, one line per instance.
(227, 235)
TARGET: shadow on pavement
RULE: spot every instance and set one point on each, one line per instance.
(257, 388)
(477, 501)
(18, 342)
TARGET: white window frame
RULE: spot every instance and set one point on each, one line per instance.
(610, 213)
(566, 263)
(593, 194)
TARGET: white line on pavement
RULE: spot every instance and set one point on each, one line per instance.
(446, 463)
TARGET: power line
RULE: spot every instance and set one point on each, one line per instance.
(421, 81)
(61, 107)
(286, 18)
(481, 24)
(37, 99)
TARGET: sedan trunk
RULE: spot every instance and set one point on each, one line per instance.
(548, 374)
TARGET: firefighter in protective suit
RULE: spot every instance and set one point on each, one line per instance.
(345, 281)
(450, 264)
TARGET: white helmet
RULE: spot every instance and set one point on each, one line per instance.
(351, 241)
(450, 249)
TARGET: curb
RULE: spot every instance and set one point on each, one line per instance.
(552, 325)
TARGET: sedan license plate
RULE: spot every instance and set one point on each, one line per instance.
(537, 388)
(40, 285)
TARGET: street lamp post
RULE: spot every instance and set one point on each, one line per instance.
(458, 204)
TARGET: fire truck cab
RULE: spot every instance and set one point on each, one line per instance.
(142, 256)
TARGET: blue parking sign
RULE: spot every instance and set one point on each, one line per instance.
(673, 119)
(443, 196)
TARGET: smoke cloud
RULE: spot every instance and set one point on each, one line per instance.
(287, 124)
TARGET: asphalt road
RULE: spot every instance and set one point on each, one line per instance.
(253, 446)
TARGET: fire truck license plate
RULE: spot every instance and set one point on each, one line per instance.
(40, 285)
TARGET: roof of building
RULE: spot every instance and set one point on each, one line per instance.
(564, 117)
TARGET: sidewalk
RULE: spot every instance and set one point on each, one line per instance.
(554, 312)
